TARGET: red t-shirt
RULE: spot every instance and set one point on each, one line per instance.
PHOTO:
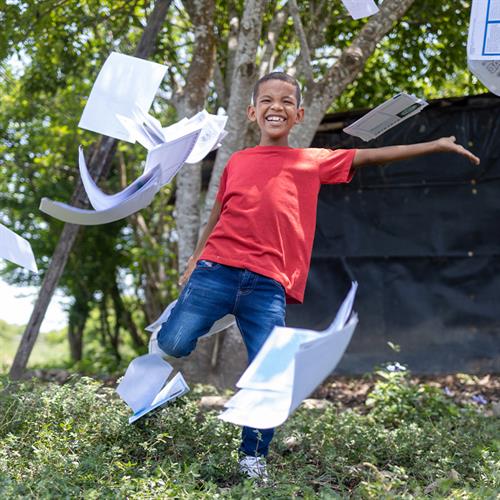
(269, 198)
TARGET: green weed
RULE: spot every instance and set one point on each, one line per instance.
(74, 441)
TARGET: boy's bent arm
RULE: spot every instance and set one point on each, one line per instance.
(207, 230)
(389, 154)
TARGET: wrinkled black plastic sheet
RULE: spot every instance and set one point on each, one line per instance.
(422, 237)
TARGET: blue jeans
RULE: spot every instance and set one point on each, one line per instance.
(214, 290)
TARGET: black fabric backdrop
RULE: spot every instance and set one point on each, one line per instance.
(422, 238)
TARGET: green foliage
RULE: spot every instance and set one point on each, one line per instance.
(51, 350)
(73, 441)
(396, 399)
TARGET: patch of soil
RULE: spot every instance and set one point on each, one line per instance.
(351, 392)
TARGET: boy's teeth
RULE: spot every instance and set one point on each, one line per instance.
(275, 119)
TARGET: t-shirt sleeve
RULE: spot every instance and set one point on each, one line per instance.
(222, 186)
(335, 165)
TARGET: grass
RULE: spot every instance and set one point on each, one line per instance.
(51, 348)
(73, 441)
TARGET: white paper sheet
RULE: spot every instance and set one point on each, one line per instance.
(153, 347)
(488, 73)
(483, 43)
(385, 116)
(360, 8)
(16, 249)
(212, 133)
(138, 200)
(124, 83)
(143, 380)
(144, 386)
(174, 389)
(170, 156)
(290, 365)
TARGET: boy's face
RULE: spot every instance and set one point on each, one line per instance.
(276, 111)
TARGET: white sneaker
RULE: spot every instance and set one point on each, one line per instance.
(254, 467)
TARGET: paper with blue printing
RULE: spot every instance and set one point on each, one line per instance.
(144, 386)
(16, 249)
(292, 363)
(483, 43)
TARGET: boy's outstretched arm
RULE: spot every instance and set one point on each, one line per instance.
(212, 220)
(389, 154)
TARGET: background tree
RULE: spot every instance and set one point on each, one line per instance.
(50, 54)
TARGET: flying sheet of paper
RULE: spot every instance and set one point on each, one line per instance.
(360, 8)
(153, 347)
(98, 199)
(16, 249)
(144, 386)
(290, 365)
(385, 116)
(212, 133)
(125, 83)
(174, 389)
(483, 43)
(170, 156)
(137, 200)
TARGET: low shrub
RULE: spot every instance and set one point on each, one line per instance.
(74, 441)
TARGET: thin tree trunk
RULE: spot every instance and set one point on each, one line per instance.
(245, 73)
(100, 160)
(199, 75)
(123, 316)
(78, 315)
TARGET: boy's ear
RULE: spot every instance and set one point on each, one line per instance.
(300, 115)
(251, 113)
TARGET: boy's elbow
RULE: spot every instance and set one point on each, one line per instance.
(361, 158)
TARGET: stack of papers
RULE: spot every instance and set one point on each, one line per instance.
(290, 366)
(118, 107)
(16, 249)
(360, 8)
(144, 386)
(483, 44)
(221, 324)
(385, 116)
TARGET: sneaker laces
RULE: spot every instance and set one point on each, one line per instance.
(254, 467)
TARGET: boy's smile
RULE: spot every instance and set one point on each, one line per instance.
(276, 111)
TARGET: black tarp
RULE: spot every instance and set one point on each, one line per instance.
(422, 238)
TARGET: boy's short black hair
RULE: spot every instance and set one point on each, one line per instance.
(277, 75)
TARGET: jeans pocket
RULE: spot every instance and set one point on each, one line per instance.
(208, 265)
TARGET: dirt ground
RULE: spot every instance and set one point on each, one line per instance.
(351, 392)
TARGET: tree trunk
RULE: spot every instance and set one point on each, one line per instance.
(78, 315)
(193, 98)
(244, 77)
(101, 158)
(123, 316)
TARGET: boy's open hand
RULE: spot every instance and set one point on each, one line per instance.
(191, 264)
(449, 145)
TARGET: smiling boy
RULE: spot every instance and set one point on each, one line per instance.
(254, 253)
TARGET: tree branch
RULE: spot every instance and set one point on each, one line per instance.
(273, 33)
(351, 62)
(304, 46)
